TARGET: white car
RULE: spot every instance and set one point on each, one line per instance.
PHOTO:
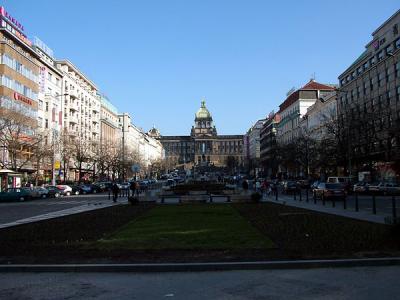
(66, 189)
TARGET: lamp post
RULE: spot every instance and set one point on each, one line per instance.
(53, 177)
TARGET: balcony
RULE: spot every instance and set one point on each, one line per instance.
(73, 94)
(73, 119)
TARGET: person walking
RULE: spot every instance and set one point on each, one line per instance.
(115, 191)
(245, 185)
(133, 188)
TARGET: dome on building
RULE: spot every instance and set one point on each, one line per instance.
(203, 112)
(154, 132)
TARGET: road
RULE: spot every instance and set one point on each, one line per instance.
(344, 283)
(13, 211)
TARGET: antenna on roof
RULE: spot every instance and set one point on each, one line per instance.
(313, 76)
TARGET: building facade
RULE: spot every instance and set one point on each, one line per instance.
(19, 74)
(369, 104)
(204, 147)
(268, 145)
(295, 107)
(81, 121)
(320, 117)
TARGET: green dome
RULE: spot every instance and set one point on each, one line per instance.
(203, 112)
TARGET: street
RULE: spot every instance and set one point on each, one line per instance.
(13, 211)
(340, 283)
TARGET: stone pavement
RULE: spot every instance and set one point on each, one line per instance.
(338, 210)
(337, 283)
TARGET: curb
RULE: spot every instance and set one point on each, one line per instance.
(203, 267)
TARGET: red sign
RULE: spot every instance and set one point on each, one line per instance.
(17, 24)
(22, 98)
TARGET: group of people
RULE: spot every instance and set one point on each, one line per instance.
(264, 187)
(133, 190)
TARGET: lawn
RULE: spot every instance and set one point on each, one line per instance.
(213, 227)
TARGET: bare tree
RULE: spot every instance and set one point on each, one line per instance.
(17, 137)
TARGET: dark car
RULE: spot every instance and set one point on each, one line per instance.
(329, 191)
(90, 189)
(76, 189)
(43, 192)
(54, 192)
(15, 194)
(290, 187)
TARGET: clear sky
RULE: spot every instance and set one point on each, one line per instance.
(157, 59)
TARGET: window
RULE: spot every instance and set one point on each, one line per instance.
(398, 93)
(388, 96)
(359, 70)
(397, 43)
(380, 77)
(47, 106)
(366, 65)
(380, 55)
(372, 61)
(57, 82)
(389, 49)
(397, 69)
(371, 84)
(46, 123)
(49, 76)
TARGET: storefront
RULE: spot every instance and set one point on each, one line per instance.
(9, 179)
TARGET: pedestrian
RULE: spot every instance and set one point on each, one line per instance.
(258, 186)
(245, 185)
(133, 188)
(115, 191)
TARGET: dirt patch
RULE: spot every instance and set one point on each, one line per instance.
(304, 233)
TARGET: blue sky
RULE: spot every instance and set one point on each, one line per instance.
(157, 59)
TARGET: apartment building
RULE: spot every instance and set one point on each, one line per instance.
(110, 132)
(19, 73)
(369, 104)
(81, 116)
(268, 145)
(320, 119)
(295, 107)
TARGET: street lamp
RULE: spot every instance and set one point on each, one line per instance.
(53, 169)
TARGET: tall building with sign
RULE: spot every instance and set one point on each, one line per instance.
(203, 147)
(19, 73)
(369, 104)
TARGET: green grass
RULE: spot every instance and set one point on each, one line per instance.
(187, 227)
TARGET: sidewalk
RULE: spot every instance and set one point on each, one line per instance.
(361, 215)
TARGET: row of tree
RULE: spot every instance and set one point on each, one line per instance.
(25, 149)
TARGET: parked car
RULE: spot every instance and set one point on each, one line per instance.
(346, 182)
(360, 187)
(329, 191)
(374, 187)
(314, 185)
(43, 192)
(66, 190)
(170, 182)
(76, 189)
(304, 183)
(124, 185)
(389, 188)
(290, 187)
(53, 191)
(15, 194)
(90, 189)
(34, 194)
